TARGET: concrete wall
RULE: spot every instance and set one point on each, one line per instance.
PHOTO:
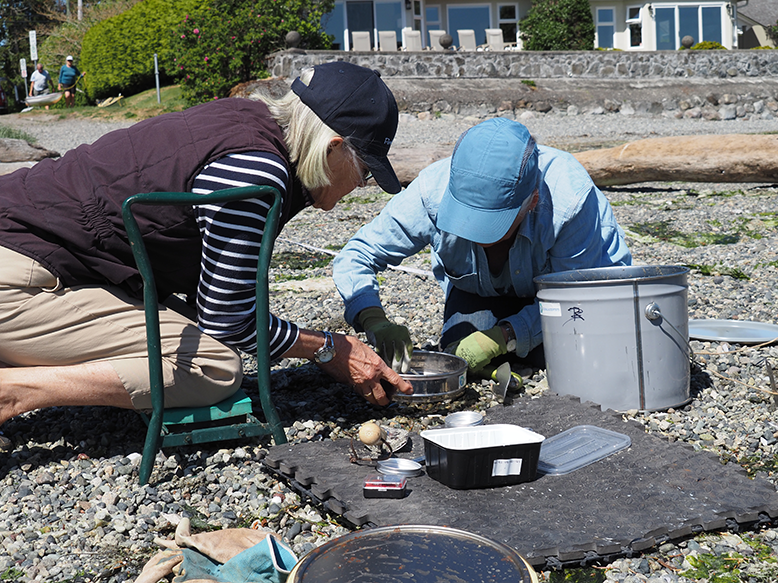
(713, 64)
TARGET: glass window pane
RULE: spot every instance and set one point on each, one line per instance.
(633, 12)
(468, 17)
(688, 23)
(389, 17)
(507, 12)
(417, 8)
(711, 23)
(605, 36)
(334, 23)
(665, 29)
(635, 35)
(508, 31)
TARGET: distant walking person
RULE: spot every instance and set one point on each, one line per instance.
(68, 76)
(40, 82)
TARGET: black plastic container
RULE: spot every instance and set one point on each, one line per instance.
(481, 457)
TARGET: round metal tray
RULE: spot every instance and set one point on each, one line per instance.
(435, 376)
(426, 554)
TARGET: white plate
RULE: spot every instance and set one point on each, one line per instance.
(739, 331)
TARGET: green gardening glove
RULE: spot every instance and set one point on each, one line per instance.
(392, 341)
(479, 348)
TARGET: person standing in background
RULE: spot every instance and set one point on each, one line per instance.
(40, 81)
(68, 76)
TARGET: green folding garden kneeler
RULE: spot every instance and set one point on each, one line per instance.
(231, 418)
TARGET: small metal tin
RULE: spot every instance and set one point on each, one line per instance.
(399, 467)
(464, 419)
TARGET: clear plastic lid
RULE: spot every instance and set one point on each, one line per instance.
(578, 447)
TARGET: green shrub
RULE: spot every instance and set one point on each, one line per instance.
(225, 42)
(763, 47)
(558, 25)
(67, 38)
(707, 45)
(118, 53)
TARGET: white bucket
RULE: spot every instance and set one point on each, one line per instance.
(617, 336)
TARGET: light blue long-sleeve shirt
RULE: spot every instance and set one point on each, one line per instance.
(572, 227)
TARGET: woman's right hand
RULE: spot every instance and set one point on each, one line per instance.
(358, 365)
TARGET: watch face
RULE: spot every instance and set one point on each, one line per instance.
(325, 356)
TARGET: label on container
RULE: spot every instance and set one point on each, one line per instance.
(507, 467)
(551, 309)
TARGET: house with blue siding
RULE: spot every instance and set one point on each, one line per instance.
(628, 25)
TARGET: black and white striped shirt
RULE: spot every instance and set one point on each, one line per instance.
(232, 234)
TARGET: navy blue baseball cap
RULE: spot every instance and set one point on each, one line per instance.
(494, 169)
(357, 104)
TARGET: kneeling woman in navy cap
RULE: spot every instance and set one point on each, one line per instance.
(73, 329)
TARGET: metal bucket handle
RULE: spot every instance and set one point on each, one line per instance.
(652, 312)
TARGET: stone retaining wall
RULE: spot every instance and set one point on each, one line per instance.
(710, 64)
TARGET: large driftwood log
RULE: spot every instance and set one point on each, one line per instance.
(707, 158)
(409, 161)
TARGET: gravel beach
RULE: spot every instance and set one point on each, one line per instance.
(71, 509)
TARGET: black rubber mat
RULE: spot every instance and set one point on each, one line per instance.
(629, 502)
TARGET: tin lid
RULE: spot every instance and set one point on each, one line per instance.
(399, 467)
(578, 447)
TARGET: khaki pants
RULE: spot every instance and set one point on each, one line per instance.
(44, 324)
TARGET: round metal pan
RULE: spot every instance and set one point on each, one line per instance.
(425, 554)
(435, 376)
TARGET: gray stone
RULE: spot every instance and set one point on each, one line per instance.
(727, 112)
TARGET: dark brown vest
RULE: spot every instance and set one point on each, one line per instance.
(66, 213)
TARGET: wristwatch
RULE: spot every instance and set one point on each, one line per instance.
(510, 345)
(327, 352)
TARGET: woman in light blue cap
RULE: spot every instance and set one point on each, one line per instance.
(496, 214)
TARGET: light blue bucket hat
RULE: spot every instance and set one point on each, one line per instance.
(493, 171)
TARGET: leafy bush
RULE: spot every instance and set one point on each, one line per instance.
(558, 25)
(118, 53)
(764, 47)
(225, 42)
(67, 38)
(707, 45)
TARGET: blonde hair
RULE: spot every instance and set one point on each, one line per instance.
(307, 137)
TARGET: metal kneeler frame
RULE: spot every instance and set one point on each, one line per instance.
(217, 422)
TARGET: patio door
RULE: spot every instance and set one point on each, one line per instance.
(359, 15)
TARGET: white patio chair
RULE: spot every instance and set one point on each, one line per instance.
(494, 40)
(466, 39)
(435, 39)
(360, 40)
(387, 40)
(411, 39)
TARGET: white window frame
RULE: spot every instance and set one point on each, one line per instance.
(722, 6)
(599, 22)
(637, 21)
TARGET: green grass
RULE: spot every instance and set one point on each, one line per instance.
(300, 260)
(139, 106)
(662, 231)
(14, 134)
(11, 574)
(705, 269)
(714, 568)
(585, 575)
